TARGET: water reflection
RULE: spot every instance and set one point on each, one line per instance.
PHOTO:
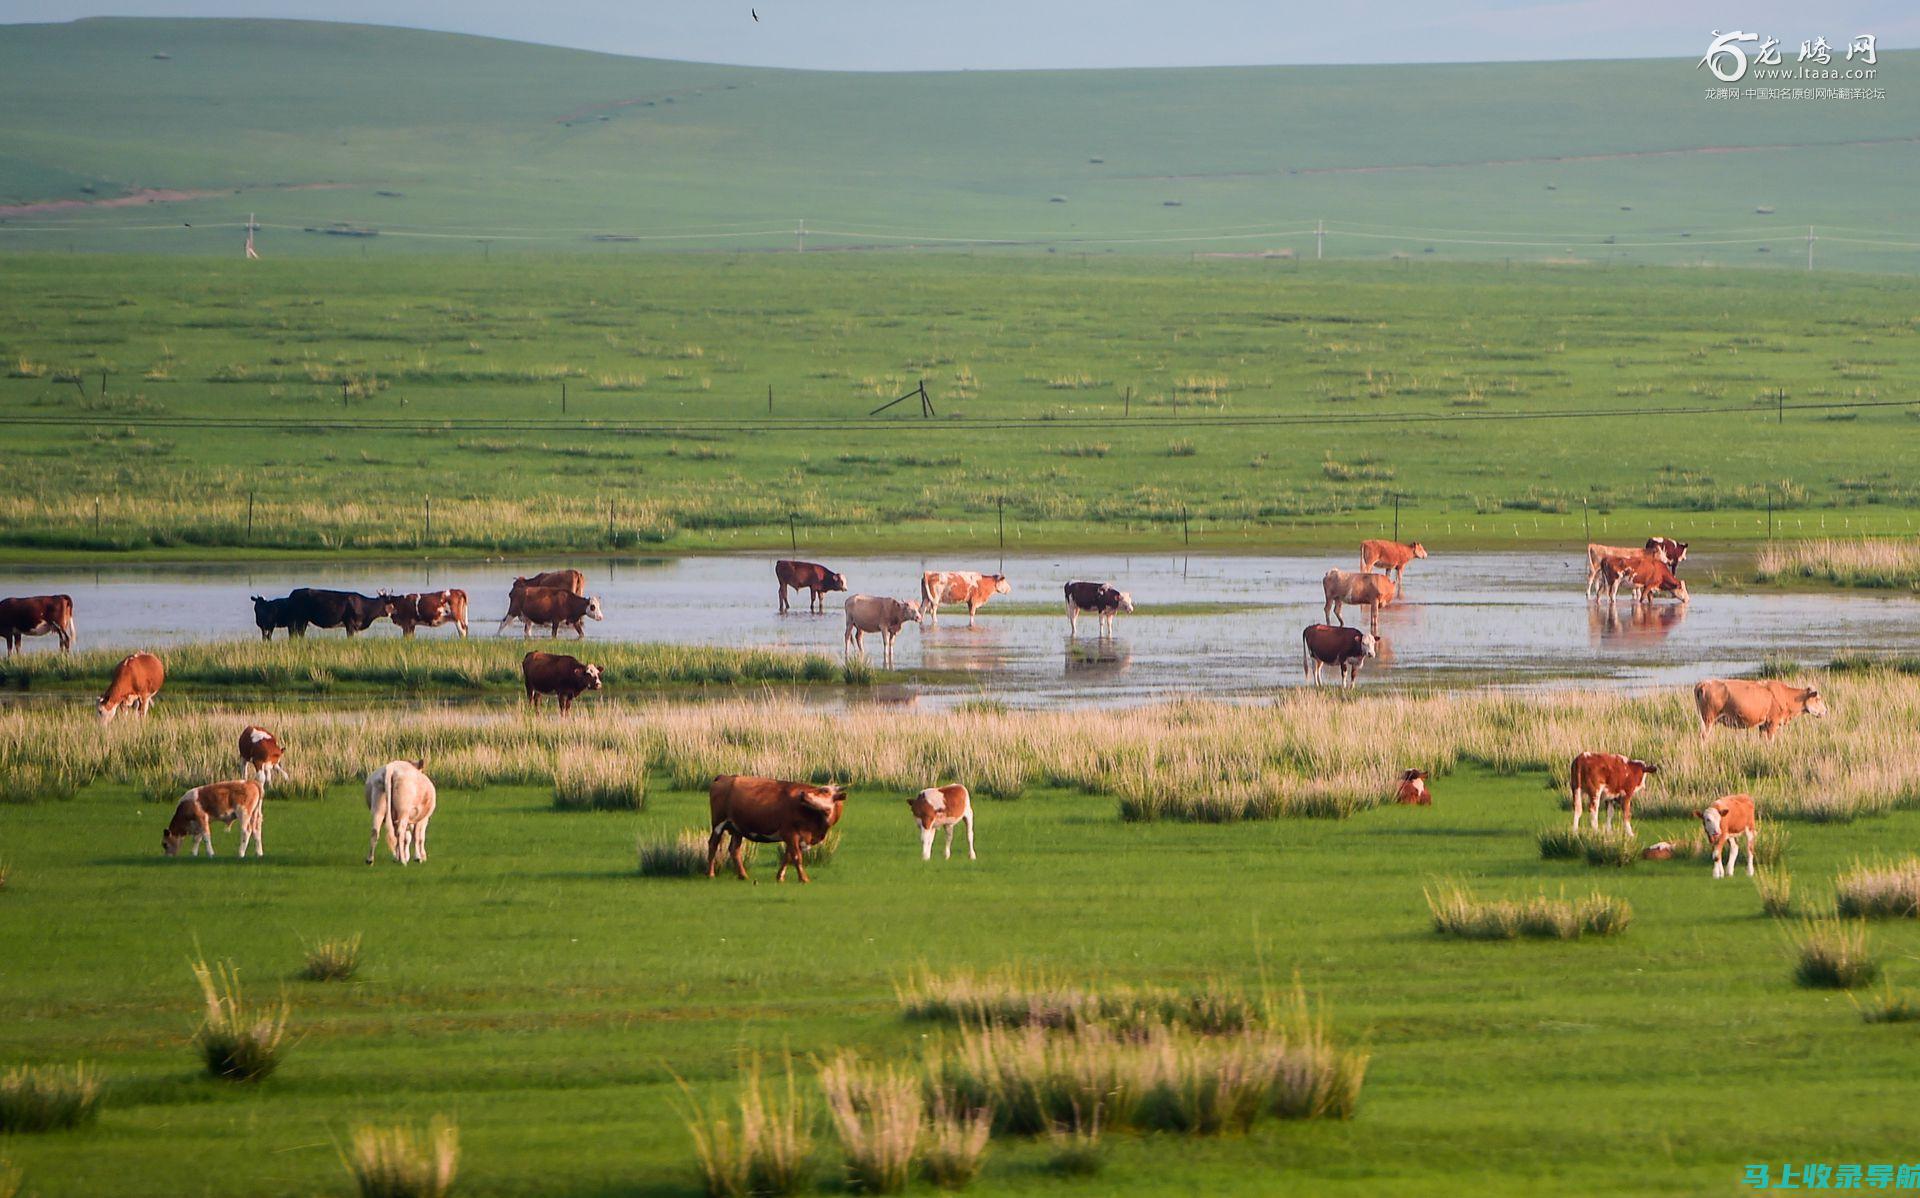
(1102, 657)
(1636, 622)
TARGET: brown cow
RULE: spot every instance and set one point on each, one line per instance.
(571, 581)
(557, 674)
(551, 607)
(1392, 556)
(1767, 705)
(794, 815)
(37, 615)
(430, 609)
(136, 680)
(873, 613)
(958, 586)
(811, 577)
(1671, 551)
(942, 807)
(1413, 790)
(1723, 821)
(1346, 649)
(1596, 552)
(1647, 573)
(260, 754)
(1610, 780)
(224, 801)
(1372, 591)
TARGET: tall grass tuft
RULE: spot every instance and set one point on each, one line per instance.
(1855, 563)
(954, 1145)
(876, 1112)
(46, 1098)
(238, 1042)
(1890, 1006)
(768, 1150)
(11, 1179)
(1456, 912)
(1775, 887)
(1834, 957)
(681, 854)
(334, 959)
(1015, 997)
(1076, 1149)
(1560, 843)
(402, 1162)
(1879, 890)
(599, 782)
(1610, 847)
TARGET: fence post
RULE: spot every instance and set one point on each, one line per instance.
(1186, 533)
(428, 534)
(769, 399)
(1586, 524)
(96, 515)
(1128, 413)
(249, 517)
(1396, 516)
(793, 531)
(563, 397)
(343, 393)
(610, 503)
(1001, 504)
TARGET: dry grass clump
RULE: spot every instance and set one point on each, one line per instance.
(1775, 887)
(37, 1098)
(1834, 957)
(1890, 1006)
(334, 959)
(1014, 997)
(597, 782)
(768, 1149)
(1077, 1150)
(1456, 912)
(1608, 846)
(1854, 563)
(401, 1162)
(1879, 890)
(954, 1145)
(239, 1043)
(681, 854)
(876, 1112)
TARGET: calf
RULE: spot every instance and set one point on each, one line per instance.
(224, 801)
(269, 614)
(1346, 649)
(873, 613)
(557, 674)
(1391, 556)
(958, 586)
(136, 680)
(37, 615)
(260, 754)
(1371, 591)
(1610, 780)
(1100, 598)
(1647, 573)
(401, 799)
(1768, 706)
(1413, 790)
(811, 577)
(794, 815)
(942, 807)
(551, 607)
(1724, 822)
(430, 609)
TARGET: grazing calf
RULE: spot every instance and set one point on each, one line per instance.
(1391, 556)
(557, 674)
(942, 807)
(1610, 780)
(1346, 649)
(260, 754)
(1768, 705)
(37, 615)
(269, 614)
(958, 586)
(1413, 790)
(401, 800)
(794, 815)
(1371, 591)
(811, 577)
(1100, 598)
(1723, 823)
(1647, 574)
(872, 613)
(136, 680)
(224, 801)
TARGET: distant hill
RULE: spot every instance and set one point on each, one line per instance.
(438, 141)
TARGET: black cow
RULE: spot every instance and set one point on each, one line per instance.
(1100, 598)
(334, 609)
(269, 614)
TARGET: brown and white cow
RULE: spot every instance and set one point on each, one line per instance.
(1767, 705)
(553, 608)
(794, 815)
(571, 581)
(1413, 791)
(1391, 556)
(1345, 649)
(1724, 821)
(1647, 574)
(1671, 551)
(812, 577)
(942, 807)
(37, 615)
(876, 613)
(1358, 589)
(401, 799)
(958, 586)
(224, 801)
(430, 609)
(260, 755)
(1610, 781)
(136, 680)
(1103, 599)
(557, 674)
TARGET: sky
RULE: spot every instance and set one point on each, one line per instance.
(871, 35)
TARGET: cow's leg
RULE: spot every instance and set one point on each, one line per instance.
(971, 609)
(420, 841)
(733, 854)
(1578, 801)
(1718, 853)
(926, 842)
(783, 598)
(566, 703)
(206, 833)
(1626, 815)
(713, 849)
(799, 863)
(379, 825)
(1073, 619)
(969, 818)
(579, 630)
(1750, 833)
(950, 830)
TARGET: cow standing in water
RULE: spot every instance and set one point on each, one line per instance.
(812, 577)
(37, 615)
(1100, 598)
(1345, 649)
(958, 586)
(1346, 587)
(571, 581)
(874, 613)
(430, 609)
(1391, 556)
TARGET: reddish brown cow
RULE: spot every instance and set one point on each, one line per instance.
(136, 680)
(794, 815)
(1346, 649)
(1671, 551)
(1413, 790)
(430, 609)
(571, 581)
(958, 586)
(1391, 556)
(1610, 780)
(557, 674)
(224, 801)
(811, 577)
(260, 755)
(1647, 574)
(1767, 705)
(551, 607)
(37, 615)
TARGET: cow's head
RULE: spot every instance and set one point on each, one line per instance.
(825, 799)
(1414, 776)
(593, 609)
(1815, 705)
(1000, 584)
(519, 583)
(107, 712)
(1126, 601)
(1419, 550)
(835, 582)
(590, 674)
(1709, 822)
(170, 841)
(1369, 645)
(1645, 767)
(909, 611)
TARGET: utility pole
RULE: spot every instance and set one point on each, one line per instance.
(1319, 239)
(1396, 516)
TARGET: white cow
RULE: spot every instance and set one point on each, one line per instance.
(873, 613)
(942, 807)
(401, 800)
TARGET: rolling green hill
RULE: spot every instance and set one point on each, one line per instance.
(437, 141)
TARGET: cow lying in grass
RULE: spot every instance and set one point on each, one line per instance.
(401, 799)
(794, 815)
(1723, 822)
(224, 801)
(942, 807)
(1413, 790)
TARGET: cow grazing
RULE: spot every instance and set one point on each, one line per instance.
(1362, 589)
(958, 586)
(401, 799)
(1345, 649)
(811, 577)
(552, 608)
(309, 606)
(1647, 574)
(1596, 552)
(1767, 705)
(1100, 598)
(1391, 556)
(1724, 822)
(136, 680)
(260, 755)
(224, 801)
(874, 613)
(942, 807)
(37, 615)
(557, 674)
(269, 614)
(794, 815)
(430, 609)
(1610, 781)
(1412, 791)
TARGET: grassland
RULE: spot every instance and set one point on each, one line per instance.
(1231, 405)
(1847, 563)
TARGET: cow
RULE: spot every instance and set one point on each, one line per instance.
(874, 613)
(1363, 589)
(269, 614)
(1100, 598)
(1724, 822)
(1767, 705)
(1671, 551)
(1413, 791)
(958, 586)
(1345, 649)
(334, 609)
(551, 607)
(37, 615)
(557, 674)
(430, 609)
(224, 801)
(571, 581)
(1596, 552)
(136, 680)
(1391, 556)
(1610, 781)
(942, 807)
(401, 799)
(811, 577)
(1647, 573)
(260, 755)
(794, 815)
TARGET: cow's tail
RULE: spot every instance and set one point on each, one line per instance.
(1306, 666)
(926, 591)
(386, 809)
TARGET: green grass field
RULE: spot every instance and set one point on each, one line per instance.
(526, 982)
